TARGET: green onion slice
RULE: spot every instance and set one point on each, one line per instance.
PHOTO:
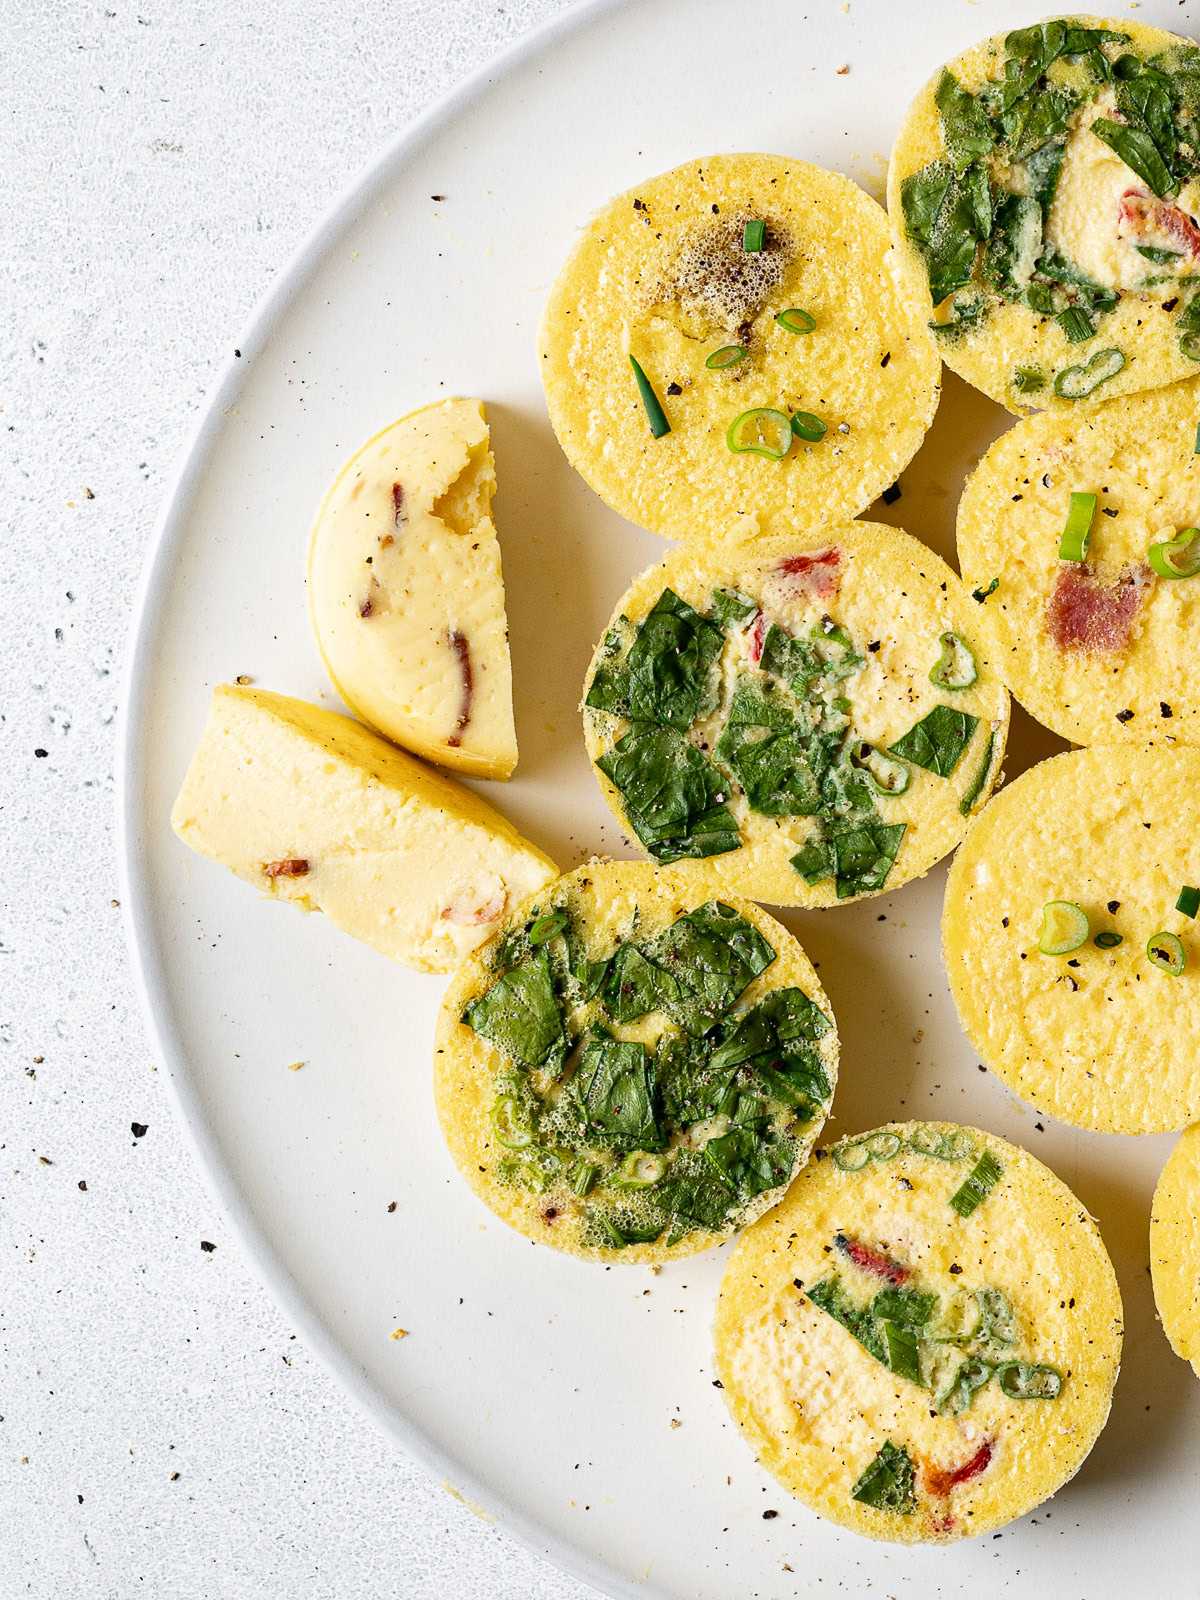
(850, 1157)
(1064, 927)
(1189, 346)
(545, 928)
(654, 411)
(510, 1131)
(1028, 380)
(977, 1185)
(754, 235)
(968, 1376)
(806, 426)
(1076, 383)
(583, 1178)
(639, 1171)
(1021, 1380)
(762, 432)
(980, 595)
(1166, 952)
(1189, 900)
(796, 321)
(884, 773)
(727, 356)
(1077, 535)
(967, 804)
(955, 668)
(1178, 557)
(1106, 939)
(1076, 324)
(1197, 449)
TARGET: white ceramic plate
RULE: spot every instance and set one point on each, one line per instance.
(541, 1388)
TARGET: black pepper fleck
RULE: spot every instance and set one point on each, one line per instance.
(206, 1246)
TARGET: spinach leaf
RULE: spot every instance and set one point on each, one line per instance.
(609, 688)
(614, 1095)
(1042, 167)
(921, 197)
(938, 740)
(690, 1087)
(1031, 51)
(520, 1015)
(909, 1307)
(965, 218)
(1084, 290)
(674, 797)
(730, 605)
(712, 953)
(749, 1163)
(1013, 249)
(1041, 115)
(814, 860)
(635, 986)
(759, 705)
(863, 855)
(831, 1298)
(694, 1198)
(903, 1356)
(966, 128)
(669, 664)
(887, 1483)
(772, 769)
(1137, 150)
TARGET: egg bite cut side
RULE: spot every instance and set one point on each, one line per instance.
(805, 719)
(629, 1070)
(921, 1342)
(1070, 949)
(1175, 1247)
(748, 287)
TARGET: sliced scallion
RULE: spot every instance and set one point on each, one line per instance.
(1064, 927)
(806, 426)
(1028, 380)
(762, 432)
(1077, 535)
(884, 773)
(1022, 1380)
(639, 1171)
(1076, 383)
(796, 321)
(1178, 557)
(977, 1185)
(545, 928)
(1189, 900)
(656, 415)
(1106, 939)
(967, 803)
(509, 1131)
(727, 356)
(754, 235)
(1189, 346)
(955, 667)
(1197, 449)
(583, 1179)
(1076, 324)
(1165, 951)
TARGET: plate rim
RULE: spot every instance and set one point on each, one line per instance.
(133, 871)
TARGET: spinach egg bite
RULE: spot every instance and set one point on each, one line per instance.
(805, 720)
(1175, 1247)
(1046, 183)
(629, 1071)
(732, 346)
(1079, 533)
(1071, 941)
(921, 1342)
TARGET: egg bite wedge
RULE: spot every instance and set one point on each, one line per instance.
(1079, 533)
(731, 348)
(1175, 1247)
(312, 808)
(806, 719)
(406, 594)
(921, 1342)
(1045, 185)
(1071, 942)
(629, 1071)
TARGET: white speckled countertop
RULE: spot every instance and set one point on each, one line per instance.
(161, 1431)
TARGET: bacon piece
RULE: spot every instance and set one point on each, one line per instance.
(814, 573)
(1084, 613)
(758, 637)
(294, 868)
(1142, 216)
(940, 1480)
(462, 650)
(475, 916)
(872, 1261)
(399, 515)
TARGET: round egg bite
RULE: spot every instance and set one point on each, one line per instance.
(807, 719)
(1044, 186)
(1175, 1247)
(921, 1342)
(1087, 855)
(740, 283)
(629, 1071)
(1105, 649)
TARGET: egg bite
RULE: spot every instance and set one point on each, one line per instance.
(1175, 1247)
(1071, 942)
(804, 719)
(921, 1342)
(731, 347)
(629, 1071)
(406, 594)
(1045, 186)
(1077, 531)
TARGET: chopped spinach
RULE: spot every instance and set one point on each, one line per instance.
(750, 1161)
(771, 767)
(968, 133)
(609, 688)
(831, 1297)
(633, 986)
(938, 740)
(863, 856)
(520, 1015)
(674, 797)
(711, 953)
(1013, 249)
(888, 1482)
(614, 1095)
(695, 1199)
(909, 1307)
(666, 677)
(1137, 150)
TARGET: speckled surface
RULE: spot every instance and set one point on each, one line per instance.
(161, 1431)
